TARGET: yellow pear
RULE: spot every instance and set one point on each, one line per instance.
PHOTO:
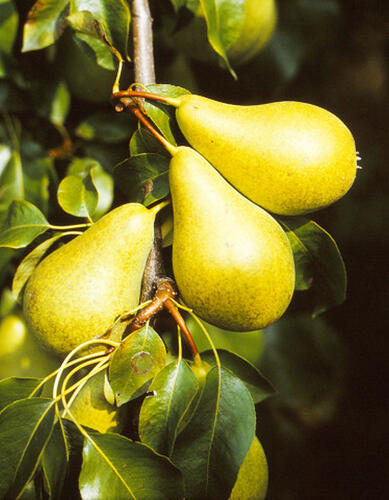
(20, 354)
(288, 157)
(252, 480)
(91, 408)
(232, 262)
(249, 34)
(76, 292)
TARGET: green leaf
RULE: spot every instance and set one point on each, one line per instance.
(25, 427)
(213, 445)
(106, 126)
(101, 179)
(55, 461)
(115, 467)
(23, 224)
(57, 97)
(319, 264)
(29, 263)
(164, 116)
(225, 20)
(11, 181)
(37, 170)
(142, 141)
(259, 387)
(171, 393)
(114, 17)
(9, 20)
(144, 178)
(136, 361)
(15, 388)
(45, 24)
(78, 195)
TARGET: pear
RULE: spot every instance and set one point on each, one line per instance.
(288, 157)
(232, 262)
(252, 480)
(91, 408)
(20, 353)
(77, 291)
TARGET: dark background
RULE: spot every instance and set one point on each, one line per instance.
(326, 433)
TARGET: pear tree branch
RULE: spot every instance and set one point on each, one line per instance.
(144, 73)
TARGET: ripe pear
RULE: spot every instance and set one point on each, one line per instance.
(91, 408)
(20, 353)
(232, 262)
(252, 480)
(288, 157)
(76, 292)
(248, 37)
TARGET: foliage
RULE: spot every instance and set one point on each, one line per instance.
(64, 163)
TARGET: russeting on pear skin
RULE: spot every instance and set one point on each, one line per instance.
(77, 291)
(232, 262)
(288, 157)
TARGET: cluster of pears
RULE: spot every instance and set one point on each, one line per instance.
(232, 262)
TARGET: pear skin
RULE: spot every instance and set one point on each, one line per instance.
(288, 157)
(232, 262)
(252, 480)
(77, 291)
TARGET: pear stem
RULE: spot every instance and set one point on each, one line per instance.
(75, 226)
(156, 208)
(171, 101)
(165, 143)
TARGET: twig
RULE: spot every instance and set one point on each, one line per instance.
(144, 73)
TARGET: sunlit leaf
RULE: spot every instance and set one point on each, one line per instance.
(15, 388)
(101, 179)
(164, 116)
(259, 387)
(55, 461)
(25, 427)
(60, 103)
(170, 394)
(45, 24)
(144, 177)
(136, 361)
(78, 195)
(8, 25)
(114, 16)
(23, 224)
(115, 467)
(225, 20)
(11, 181)
(213, 445)
(29, 263)
(319, 264)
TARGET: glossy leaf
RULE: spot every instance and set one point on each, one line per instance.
(114, 16)
(259, 387)
(144, 177)
(11, 180)
(119, 468)
(29, 263)
(319, 264)
(78, 195)
(105, 127)
(101, 179)
(45, 24)
(136, 361)
(23, 224)
(95, 48)
(213, 445)
(60, 103)
(25, 427)
(170, 395)
(225, 20)
(55, 461)
(8, 25)
(15, 388)
(164, 116)
(142, 141)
